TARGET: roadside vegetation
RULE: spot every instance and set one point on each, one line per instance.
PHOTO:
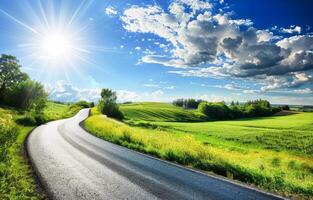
(23, 105)
(108, 106)
(274, 152)
(16, 178)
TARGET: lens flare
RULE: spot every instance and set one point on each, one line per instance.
(56, 46)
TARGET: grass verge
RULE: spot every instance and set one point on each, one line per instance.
(16, 176)
(281, 172)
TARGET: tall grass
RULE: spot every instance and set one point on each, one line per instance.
(16, 181)
(276, 171)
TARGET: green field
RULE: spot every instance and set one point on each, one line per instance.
(16, 180)
(159, 112)
(274, 153)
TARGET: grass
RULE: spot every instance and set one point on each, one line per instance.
(159, 112)
(274, 153)
(54, 111)
(16, 179)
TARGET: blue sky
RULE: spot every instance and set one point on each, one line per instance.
(162, 50)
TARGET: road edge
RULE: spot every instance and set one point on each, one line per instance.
(41, 187)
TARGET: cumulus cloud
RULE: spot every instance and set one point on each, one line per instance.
(66, 92)
(203, 42)
(291, 30)
(110, 11)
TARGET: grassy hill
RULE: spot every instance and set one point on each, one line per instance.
(165, 112)
(274, 153)
(16, 181)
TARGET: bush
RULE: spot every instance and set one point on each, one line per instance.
(110, 109)
(215, 110)
(108, 106)
(218, 111)
(285, 107)
(92, 104)
(83, 104)
(26, 120)
(31, 119)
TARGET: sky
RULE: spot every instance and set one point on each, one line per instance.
(162, 50)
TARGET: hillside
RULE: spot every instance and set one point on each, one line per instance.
(274, 153)
(161, 112)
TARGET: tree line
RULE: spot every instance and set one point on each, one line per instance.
(222, 111)
(18, 90)
(187, 103)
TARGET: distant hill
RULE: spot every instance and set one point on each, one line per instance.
(163, 112)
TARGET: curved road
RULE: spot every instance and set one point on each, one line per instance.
(72, 164)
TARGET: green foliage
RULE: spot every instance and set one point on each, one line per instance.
(220, 111)
(10, 74)
(108, 94)
(228, 148)
(108, 106)
(215, 111)
(152, 111)
(26, 120)
(17, 89)
(285, 107)
(16, 181)
(187, 103)
(85, 104)
(54, 111)
(27, 95)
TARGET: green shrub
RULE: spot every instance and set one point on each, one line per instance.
(26, 120)
(214, 110)
(110, 108)
(84, 104)
(31, 119)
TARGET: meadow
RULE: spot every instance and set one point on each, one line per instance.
(274, 153)
(16, 178)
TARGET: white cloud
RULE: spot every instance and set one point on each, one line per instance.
(110, 11)
(213, 98)
(138, 48)
(170, 87)
(157, 94)
(66, 92)
(203, 43)
(124, 95)
(291, 30)
(303, 91)
(151, 85)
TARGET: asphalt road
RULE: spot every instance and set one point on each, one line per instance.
(72, 164)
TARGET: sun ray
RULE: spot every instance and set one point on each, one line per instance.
(19, 22)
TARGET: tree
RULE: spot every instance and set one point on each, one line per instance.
(108, 106)
(285, 107)
(10, 74)
(108, 94)
(215, 111)
(28, 95)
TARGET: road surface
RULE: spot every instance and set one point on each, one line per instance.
(72, 164)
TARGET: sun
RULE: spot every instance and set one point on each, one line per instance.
(56, 46)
